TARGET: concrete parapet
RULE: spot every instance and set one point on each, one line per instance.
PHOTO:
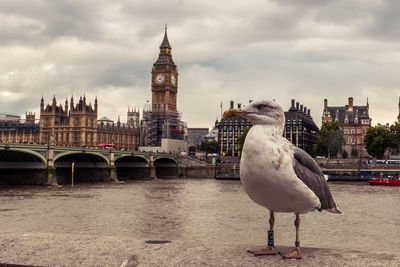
(46, 249)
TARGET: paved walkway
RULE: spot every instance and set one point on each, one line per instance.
(82, 250)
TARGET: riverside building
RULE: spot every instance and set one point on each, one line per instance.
(300, 129)
(355, 121)
(197, 135)
(229, 130)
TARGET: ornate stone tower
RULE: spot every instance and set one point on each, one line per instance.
(398, 117)
(164, 79)
(161, 126)
(133, 118)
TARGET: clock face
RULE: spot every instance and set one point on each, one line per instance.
(173, 79)
(160, 78)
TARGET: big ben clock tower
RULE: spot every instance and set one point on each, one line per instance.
(161, 126)
(164, 79)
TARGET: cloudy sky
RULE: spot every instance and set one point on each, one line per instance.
(240, 50)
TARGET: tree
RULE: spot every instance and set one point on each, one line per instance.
(354, 152)
(344, 154)
(330, 140)
(394, 137)
(320, 148)
(192, 148)
(242, 138)
(376, 140)
(209, 146)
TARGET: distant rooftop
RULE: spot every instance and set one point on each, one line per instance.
(8, 117)
(105, 119)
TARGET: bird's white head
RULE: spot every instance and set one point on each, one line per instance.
(262, 112)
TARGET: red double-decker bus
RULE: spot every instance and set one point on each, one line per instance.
(107, 146)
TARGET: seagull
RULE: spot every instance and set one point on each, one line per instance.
(278, 175)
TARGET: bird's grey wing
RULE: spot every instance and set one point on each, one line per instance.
(308, 171)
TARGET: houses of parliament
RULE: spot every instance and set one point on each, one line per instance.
(76, 122)
(71, 125)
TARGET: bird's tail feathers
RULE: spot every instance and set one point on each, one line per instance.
(335, 210)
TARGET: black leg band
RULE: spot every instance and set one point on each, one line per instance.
(271, 238)
(297, 243)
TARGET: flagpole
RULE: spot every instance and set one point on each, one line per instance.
(221, 110)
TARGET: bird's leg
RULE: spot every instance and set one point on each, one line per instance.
(296, 253)
(270, 249)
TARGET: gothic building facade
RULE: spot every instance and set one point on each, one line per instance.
(71, 125)
(76, 126)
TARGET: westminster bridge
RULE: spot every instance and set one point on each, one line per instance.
(50, 165)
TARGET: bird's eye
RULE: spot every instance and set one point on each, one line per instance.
(261, 106)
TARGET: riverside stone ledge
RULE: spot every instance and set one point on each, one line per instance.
(47, 249)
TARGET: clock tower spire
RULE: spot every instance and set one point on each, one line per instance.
(164, 79)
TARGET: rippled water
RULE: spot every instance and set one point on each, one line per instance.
(206, 210)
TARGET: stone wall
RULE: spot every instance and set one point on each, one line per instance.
(197, 172)
(353, 164)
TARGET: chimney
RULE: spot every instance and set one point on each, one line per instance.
(325, 104)
(292, 103)
(350, 104)
(239, 105)
(250, 101)
(301, 107)
(308, 111)
(297, 105)
(305, 109)
(231, 104)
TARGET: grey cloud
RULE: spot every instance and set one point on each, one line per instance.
(386, 24)
(58, 18)
(308, 50)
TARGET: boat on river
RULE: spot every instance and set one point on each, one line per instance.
(383, 181)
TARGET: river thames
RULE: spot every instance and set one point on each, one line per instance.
(201, 209)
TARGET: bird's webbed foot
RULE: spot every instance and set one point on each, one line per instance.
(293, 254)
(270, 250)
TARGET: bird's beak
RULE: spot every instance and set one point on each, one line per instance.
(233, 112)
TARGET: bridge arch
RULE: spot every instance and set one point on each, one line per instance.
(166, 167)
(81, 157)
(132, 167)
(133, 159)
(89, 167)
(20, 166)
(21, 159)
(165, 161)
